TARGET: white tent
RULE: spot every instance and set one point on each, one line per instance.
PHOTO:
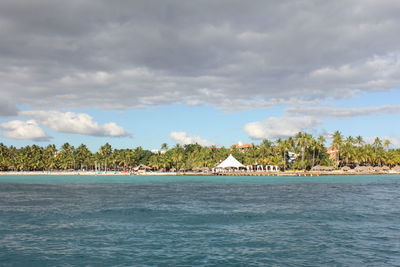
(230, 162)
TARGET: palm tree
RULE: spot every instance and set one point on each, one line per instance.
(314, 147)
(104, 155)
(155, 161)
(177, 157)
(303, 141)
(359, 140)
(66, 156)
(337, 142)
(347, 153)
(353, 151)
(251, 155)
(36, 157)
(284, 148)
(321, 147)
(83, 156)
(386, 143)
(337, 139)
(50, 157)
(377, 143)
(164, 147)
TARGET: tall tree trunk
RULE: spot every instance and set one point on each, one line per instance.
(313, 158)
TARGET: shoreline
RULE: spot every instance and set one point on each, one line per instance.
(117, 173)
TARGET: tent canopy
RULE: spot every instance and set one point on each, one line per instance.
(230, 162)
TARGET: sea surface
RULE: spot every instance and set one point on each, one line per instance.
(199, 221)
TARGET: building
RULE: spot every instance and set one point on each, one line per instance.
(241, 146)
(291, 157)
(333, 153)
(230, 163)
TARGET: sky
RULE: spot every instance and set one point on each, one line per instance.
(143, 73)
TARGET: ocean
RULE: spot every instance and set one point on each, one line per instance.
(199, 221)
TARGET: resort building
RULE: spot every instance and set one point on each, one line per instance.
(241, 146)
(292, 157)
(232, 164)
(333, 153)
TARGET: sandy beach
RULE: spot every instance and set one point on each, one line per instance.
(238, 173)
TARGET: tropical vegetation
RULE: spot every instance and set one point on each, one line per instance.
(302, 151)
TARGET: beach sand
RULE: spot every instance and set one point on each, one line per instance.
(238, 173)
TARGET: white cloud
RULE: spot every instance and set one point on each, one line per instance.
(394, 141)
(276, 127)
(29, 130)
(342, 113)
(184, 139)
(76, 123)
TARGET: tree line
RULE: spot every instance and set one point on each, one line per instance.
(309, 151)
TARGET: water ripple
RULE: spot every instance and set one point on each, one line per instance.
(185, 223)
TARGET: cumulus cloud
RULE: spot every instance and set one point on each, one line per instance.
(76, 123)
(184, 138)
(29, 130)
(139, 53)
(394, 141)
(279, 127)
(343, 113)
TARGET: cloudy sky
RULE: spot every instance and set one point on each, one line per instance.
(213, 72)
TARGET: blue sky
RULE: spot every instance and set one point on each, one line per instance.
(143, 73)
(150, 127)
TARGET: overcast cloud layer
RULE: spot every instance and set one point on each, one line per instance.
(7, 109)
(229, 54)
(343, 113)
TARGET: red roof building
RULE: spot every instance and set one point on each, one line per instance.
(242, 146)
(333, 153)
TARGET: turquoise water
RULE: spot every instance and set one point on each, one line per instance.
(211, 179)
(199, 221)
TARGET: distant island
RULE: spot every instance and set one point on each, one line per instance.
(302, 152)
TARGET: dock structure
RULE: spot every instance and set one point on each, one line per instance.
(298, 173)
(255, 173)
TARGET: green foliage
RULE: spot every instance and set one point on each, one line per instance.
(311, 151)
